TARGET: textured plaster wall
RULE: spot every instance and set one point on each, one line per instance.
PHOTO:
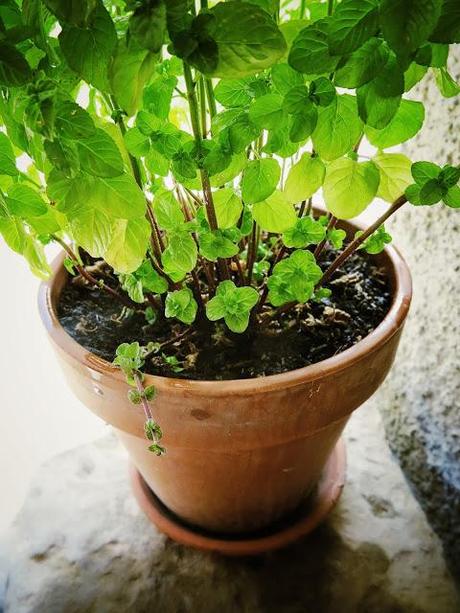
(421, 400)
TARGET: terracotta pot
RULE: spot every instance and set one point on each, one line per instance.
(240, 454)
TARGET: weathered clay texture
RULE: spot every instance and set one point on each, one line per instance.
(421, 399)
(81, 544)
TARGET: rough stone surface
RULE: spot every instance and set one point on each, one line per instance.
(81, 544)
(421, 398)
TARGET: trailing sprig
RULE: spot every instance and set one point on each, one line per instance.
(130, 358)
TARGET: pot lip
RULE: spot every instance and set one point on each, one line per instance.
(394, 319)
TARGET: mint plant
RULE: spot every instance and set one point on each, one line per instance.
(181, 144)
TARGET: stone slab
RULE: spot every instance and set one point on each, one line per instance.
(80, 544)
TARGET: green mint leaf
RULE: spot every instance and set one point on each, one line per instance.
(7, 158)
(293, 279)
(376, 241)
(407, 25)
(150, 393)
(446, 84)
(127, 248)
(233, 304)
(214, 245)
(395, 175)
(266, 112)
(25, 202)
(228, 207)
(449, 176)
(168, 211)
(275, 213)
(182, 305)
(136, 143)
(130, 70)
(147, 26)
(304, 178)
(243, 42)
(310, 51)
(151, 428)
(73, 122)
(297, 99)
(336, 236)
(349, 187)
(424, 171)
(99, 155)
(183, 165)
(158, 450)
(13, 232)
(92, 230)
(306, 231)
(322, 91)
(432, 192)
(117, 197)
(88, 50)
(233, 93)
(181, 253)
(353, 23)
(362, 65)
(447, 29)
(134, 397)
(452, 198)
(128, 357)
(303, 124)
(338, 129)
(14, 68)
(259, 180)
(405, 124)
(285, 78)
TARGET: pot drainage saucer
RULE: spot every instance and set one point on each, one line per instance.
(279, 535)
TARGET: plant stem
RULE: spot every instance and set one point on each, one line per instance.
(89, 277)
(264, 295)
(330, 7)
(144, 401)
(302, 9)
(211, 97)
(207, 193)
(252, 252)
(357, 242)
(322, 244)
(202, 94)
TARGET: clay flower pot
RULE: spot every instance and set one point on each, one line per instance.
(241, 454)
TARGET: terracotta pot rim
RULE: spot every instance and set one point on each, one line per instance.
(394, 319)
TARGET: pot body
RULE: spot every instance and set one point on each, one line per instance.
(240, 454)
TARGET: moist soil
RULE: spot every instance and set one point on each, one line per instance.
(359, 301)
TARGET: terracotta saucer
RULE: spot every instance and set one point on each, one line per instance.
(299, 524)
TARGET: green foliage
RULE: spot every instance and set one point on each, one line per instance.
(395, 175)
(376, 242)
(433, 183)
(182, 305)
(275, 213)
(339, 128)
(306, 231)
(129, 358)
(304, 179)
(294, 279)
(115, 138)
(349, 187)
(233, 304)
(259, 180)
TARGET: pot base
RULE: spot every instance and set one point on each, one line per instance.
(302, 522)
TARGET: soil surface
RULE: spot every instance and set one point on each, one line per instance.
(360, 300)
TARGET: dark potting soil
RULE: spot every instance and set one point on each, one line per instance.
(360, 300)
